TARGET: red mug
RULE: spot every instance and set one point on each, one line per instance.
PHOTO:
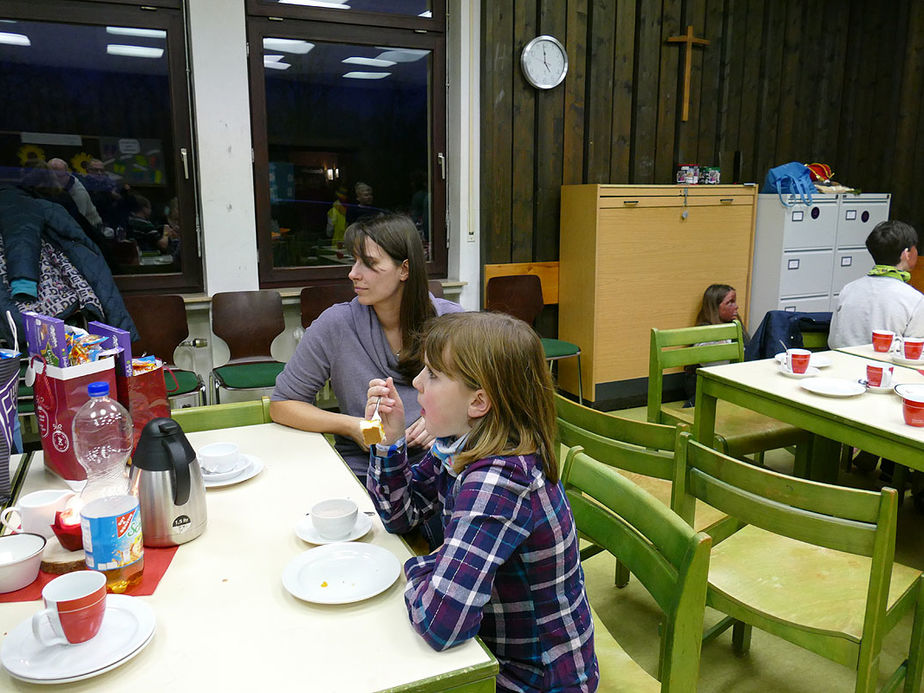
(879, 375)
(913, 412)
(882, 340)
(75, 604)
(913, 348)
(798, 360)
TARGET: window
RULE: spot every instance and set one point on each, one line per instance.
(348, 119)
(95, 98)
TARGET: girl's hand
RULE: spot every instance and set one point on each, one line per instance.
(418, 436)
(391, 408)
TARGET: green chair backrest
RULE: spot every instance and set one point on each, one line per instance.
(637, 446)
(192, 419)
(845, 519)
(686, 346)
(665, 554)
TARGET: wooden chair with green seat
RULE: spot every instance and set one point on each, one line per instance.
(739, 431)
(642, 452)
(668, 558)
(248, 322)
(813, 563)
(229, 415)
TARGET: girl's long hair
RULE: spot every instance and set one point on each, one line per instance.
(502, 356)
(398, 237)
(712, 299)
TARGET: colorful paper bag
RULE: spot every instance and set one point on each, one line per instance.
(145, 397)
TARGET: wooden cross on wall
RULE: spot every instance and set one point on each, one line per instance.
(690, 40)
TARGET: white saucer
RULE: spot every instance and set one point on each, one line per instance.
(833, 387)
(341, 573)
(873, 388)
(902, 361)
(306, 531)
(810, 372)
(815, 361)
(254, 467)
(127, 628)
(221, 476)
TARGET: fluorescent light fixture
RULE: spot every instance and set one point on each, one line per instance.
(403, 55)
(136, 31)
(268, 58)
(426, 13)
(274, 65)
(369, 62)
(134, 51)
(317, 3)
(14, 39)
(366, 75)
(287, 45)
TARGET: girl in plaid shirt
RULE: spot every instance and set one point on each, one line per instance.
(509, 569)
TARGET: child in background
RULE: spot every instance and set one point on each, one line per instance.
(509, 569)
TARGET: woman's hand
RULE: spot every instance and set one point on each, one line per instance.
(391, 408)
(418, 436)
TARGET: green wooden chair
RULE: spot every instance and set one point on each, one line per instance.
(642, 452)
(739, 431)
(192, 419)
(814, 563)
(667, 556)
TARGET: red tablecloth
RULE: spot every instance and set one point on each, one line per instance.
(156, 562)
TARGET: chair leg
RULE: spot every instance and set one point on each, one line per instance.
(622, 574)
(580, 382)
(914, 674)
(741, 638)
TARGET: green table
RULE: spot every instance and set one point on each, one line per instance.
(869, 421)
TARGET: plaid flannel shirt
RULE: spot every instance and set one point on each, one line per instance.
(509, 569)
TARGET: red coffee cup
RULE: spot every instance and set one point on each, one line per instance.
(75, 604)
(798, 359)
(882, 340)
(913, 347)
(879, 375)
(912, 403)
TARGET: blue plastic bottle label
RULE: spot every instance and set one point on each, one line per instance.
(112, 541)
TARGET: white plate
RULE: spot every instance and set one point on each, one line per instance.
(341, 573)
(222, 476)
(127, 628)
(810, 372)
(902, 361)
(816, 360)
(254, 467)
(833, 387)
(306, 531)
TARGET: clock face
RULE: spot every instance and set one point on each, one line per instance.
(544, 62)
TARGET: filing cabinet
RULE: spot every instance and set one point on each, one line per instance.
(804, 255)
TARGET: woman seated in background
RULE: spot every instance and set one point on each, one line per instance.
(720, 305)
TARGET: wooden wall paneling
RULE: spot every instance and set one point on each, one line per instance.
(496, 191)
(787, 116)
(750, 91)
(599, 100)
(523, 177)
(647, 65)
(863, 85)
(623, 94)
(812, 77)
(550, 106)
(670, 93)
(708, 125)
(888, 88)
(575, 86)
(768, 104)
(686, 143)
(732, 78)
(834, 51)
(910, 151)
(849, 117)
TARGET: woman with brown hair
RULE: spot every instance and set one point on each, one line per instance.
(376, 335)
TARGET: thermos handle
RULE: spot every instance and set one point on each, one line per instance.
(176, 453)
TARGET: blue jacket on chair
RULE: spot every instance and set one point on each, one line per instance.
(786, 326)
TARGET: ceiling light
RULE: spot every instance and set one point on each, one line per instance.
(426, 13)
(317, 3)
(276, 65)
(369, 62)
(366, 75)
(403, 55)
(135, 31)
(15, 39)
(287, 45)
(134, 51)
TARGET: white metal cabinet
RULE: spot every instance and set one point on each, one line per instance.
(804, 255)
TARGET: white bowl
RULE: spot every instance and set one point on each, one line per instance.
(219, 458)
(334, 518)
(20, 560)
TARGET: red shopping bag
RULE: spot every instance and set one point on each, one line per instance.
(145, 397)
(59, 393)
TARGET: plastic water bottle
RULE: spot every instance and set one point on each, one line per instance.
(110, 518)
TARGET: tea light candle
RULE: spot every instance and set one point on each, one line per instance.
(67, 529)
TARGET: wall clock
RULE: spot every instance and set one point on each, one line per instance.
(544, 62)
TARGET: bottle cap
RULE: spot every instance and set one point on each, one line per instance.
(98, 389)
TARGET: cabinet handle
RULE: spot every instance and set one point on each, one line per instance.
(630, 203)
(726, 200)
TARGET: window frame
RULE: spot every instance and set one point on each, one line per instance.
(436, 23)
(259, 27)
(169, 16)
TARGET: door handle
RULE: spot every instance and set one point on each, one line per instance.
(184, 157)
